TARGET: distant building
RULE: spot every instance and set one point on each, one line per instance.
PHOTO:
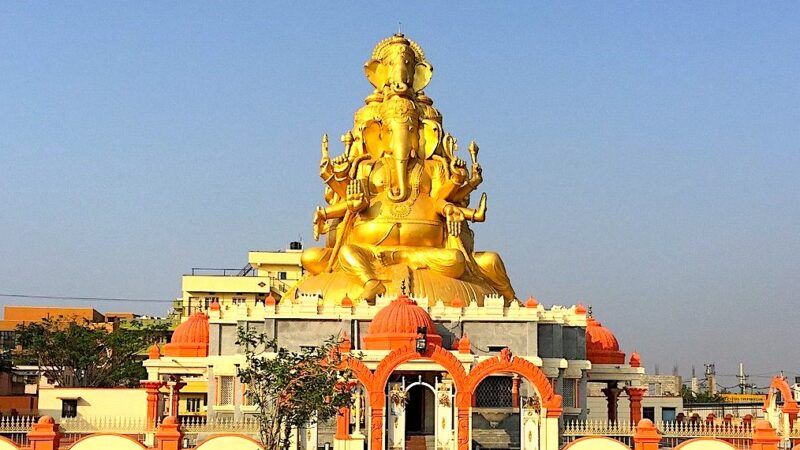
(267, 272)
(662, 402)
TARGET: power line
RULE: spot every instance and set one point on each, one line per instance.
(101, 299)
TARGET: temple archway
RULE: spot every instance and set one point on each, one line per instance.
(449, 363)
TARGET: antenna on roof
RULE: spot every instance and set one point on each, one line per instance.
(399, 27)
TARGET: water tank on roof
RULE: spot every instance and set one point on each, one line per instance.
(295, 245)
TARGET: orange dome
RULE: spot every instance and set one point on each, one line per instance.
(396, 326)
(190, 338)
(601, 344)
(636, 360)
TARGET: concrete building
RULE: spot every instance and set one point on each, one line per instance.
(266, 272)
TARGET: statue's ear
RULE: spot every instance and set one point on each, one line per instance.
(376, 73)
(422, 75)
(431, 137)
(372, 139)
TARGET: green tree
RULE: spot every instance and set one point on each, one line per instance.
(292, 389)
(699, 397)
(73, 352)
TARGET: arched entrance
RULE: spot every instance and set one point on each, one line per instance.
(390, 394)
(421, 408)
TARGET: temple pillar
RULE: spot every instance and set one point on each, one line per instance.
(464, 428)
(152, 389)
(550, 438)
(343, 424)
(175, 397)
(765, 437)
(211, 392)
(647, 436)
(612, 395)
(309, 438)
(44, 435)
(444, 413)
(515, 391)
(396, 431)
(530, 429)
(169, 435)
(238, 395)
(376, 427)
(635, 395)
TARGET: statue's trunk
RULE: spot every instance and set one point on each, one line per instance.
(400, 192)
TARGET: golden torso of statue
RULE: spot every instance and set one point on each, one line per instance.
(413, 222)
(398, 198)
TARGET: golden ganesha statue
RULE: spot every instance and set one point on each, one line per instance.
(398, 198)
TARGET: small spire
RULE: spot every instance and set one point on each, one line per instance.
(399, 28)
(403, 287)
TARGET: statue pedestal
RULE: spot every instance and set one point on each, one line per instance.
(421, 283)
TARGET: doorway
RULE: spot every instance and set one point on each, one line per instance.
(420, 411)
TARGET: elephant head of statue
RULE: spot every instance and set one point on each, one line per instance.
(398, 67)
(400, 134)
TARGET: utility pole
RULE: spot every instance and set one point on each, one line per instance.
(711, 378)
(694, 386)
(742, 379)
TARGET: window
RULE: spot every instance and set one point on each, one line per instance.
(496, 348)
(668, 414)
(194, 304)
(208, 301)
(226, 390)
(193, 405)
(238, 300)
(570, 393)
(69, 408)
(649, 413)
(653, 389)
(494, 392)
(281, 275)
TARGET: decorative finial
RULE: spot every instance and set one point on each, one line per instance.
(589, 314)
(347, 139)
(399, 28)
(325, 146)
(473, 152)
(403, 287)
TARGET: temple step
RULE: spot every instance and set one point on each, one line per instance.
(420, 442)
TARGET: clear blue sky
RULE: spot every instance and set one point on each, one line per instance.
(641, 157)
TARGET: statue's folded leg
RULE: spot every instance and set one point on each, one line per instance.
(360, 262)
(446, 261)
(494, 270)
(315, 259)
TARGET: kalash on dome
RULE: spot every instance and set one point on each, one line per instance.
(449, 357)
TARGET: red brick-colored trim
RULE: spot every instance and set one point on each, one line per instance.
(124, 436)
(595, 438)
(505, 363)
(704, 439)
(222, 435)
(399, 356)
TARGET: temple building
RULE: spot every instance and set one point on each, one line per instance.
(445, 354)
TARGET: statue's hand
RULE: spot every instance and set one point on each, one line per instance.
(325, 168)
(319, 222)
(453, 217)
(356, 201)
(476, 177)
(458, 171)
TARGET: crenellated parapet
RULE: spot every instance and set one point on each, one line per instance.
(312, 306)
